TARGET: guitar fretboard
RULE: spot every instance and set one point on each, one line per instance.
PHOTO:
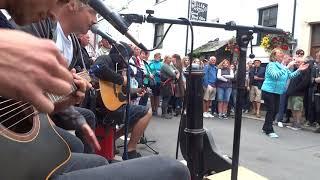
(55, 98)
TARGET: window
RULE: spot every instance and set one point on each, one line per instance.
(267, 17)
(158, 35)
(315, 40)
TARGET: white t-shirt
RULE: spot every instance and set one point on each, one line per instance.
(64, 44)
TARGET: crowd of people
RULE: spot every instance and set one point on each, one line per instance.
(286, 88)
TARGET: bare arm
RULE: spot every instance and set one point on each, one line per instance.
(221, 77)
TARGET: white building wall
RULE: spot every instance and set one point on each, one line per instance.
(307, 14)
(243, 12)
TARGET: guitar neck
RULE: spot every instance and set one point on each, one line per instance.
(55, 98)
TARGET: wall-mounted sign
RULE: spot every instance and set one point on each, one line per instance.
(198, 11)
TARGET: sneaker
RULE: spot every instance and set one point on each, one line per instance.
(316, 125)
(273, 135)
(307, 124)
(317, 130)
(224, 116)
(205, 115)
(210, 115)
(132, 155)
(280, 124)
(293, 127)
(258, 115)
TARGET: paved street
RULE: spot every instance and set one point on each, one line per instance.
(295, 155)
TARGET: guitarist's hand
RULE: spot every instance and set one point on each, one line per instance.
(76, 97)
(82, 85)
(30, 66)
(90, 136)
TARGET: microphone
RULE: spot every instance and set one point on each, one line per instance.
(115, 20)
(96, 30)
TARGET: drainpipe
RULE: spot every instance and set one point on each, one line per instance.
(187, 33)
(293, 22)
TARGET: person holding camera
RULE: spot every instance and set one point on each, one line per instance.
(275, 83)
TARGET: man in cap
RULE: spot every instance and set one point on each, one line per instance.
(256, 76)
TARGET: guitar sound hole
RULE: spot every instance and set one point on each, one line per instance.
(16, 116)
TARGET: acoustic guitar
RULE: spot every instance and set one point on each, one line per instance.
(31, 149)
(114, 96)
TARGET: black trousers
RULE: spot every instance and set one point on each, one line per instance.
(271, 102)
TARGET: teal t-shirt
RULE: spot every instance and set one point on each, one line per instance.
(155, 67)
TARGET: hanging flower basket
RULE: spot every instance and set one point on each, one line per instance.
(271, 41)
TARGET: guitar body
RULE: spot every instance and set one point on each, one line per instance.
(112, 95)
(31, 149)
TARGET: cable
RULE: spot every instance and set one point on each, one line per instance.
(188, 84)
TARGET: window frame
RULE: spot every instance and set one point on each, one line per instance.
(158, 34)
(314, 46)
(260, 20)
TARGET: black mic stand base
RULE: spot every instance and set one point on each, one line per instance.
(145, 141)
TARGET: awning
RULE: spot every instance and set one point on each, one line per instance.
(211, 46)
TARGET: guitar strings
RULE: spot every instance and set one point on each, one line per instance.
(16, 114)
(83, 75)
(32, 114)
(5, 101)
(13, 110)
(9, 106)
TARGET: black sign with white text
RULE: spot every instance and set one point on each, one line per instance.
(198, 11)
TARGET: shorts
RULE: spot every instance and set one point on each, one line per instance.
(295, 103)
(255, 94)
(136, 112)
(223, 94)
(155, 90)
(209, 93)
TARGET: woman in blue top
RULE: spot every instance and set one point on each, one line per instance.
(155, 67)
(275, 83)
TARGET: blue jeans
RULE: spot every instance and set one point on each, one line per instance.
(224, 94)
(282, 107)
(90, 166)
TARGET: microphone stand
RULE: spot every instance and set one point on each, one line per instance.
(194, 128)
(127, 113)
(143, 139)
